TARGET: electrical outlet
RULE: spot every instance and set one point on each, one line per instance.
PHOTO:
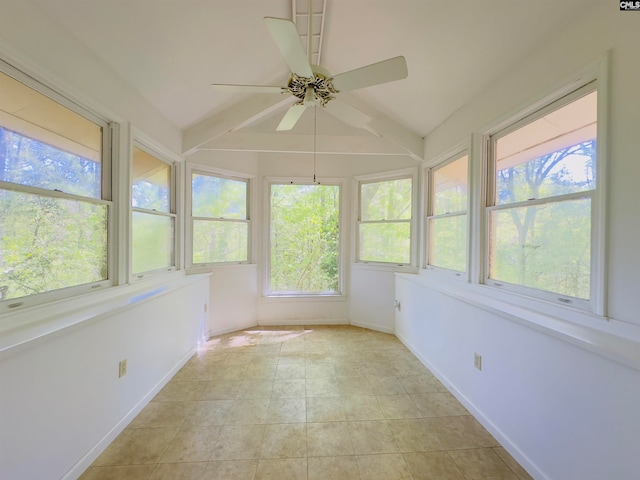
(477, 361)
(122, 368)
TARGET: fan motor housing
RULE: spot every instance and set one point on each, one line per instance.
(321, 84)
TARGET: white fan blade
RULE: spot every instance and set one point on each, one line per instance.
(226, 87)
(347, 114)
(285, 34)
(291, 117)
(374, 74)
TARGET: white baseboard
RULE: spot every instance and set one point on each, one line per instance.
(86, 461)
(234, 328)
(516, 453)
(378, 328)
(304, 321)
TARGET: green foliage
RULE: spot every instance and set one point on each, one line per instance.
(386, 200)
(554, 256)
(220, 241)
(150, 196)
(48, 243)
(449, 187)
(547, 246)
(448, 242)
(217, 197)
(388, 242)
(26, 161)
(152, 242)
(221, 232)
(304, 238)
(384, 234)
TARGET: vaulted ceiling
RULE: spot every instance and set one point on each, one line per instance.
(170, 51)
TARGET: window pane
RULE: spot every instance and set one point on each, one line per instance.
(216, 197)
(448, 242)
(152, 242)
(49, 243)
(387, 200)
(151, 180)
(450, 187)
(546, 247)
(219, 241)
(385, 242)
(44, 144)
(305, 239)
(553, 155)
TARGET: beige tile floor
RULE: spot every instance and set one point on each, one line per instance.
(280, 403)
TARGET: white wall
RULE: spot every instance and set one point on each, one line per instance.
(236, 292)
(61, 400)
(31, 41)
(372, 296)
(565, 404)
(565, 413)
(234, 298)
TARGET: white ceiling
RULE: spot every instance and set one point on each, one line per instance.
(170, 51)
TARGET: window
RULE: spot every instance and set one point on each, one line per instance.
(219, 219)
(153, 216)
(384, 221)
(304, 241)
(54, 195)
(542, 200)
(447, 220)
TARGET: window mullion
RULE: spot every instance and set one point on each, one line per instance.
(543, 201)
(447, 215)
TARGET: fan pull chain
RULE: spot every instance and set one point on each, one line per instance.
(315, 135)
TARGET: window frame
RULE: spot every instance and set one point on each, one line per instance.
(451, 157)
(267, 294)
(144, 145)
(411, 173)
(568, 94)
(107, 187)
(199, 169)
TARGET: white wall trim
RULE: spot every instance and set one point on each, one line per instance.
(111, 435)
(303, 321)
(235, 328)
(619, 341)
(40, 323)
(371, 326)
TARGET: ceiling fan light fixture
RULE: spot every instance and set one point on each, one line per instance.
(319, 85)
(309, 97)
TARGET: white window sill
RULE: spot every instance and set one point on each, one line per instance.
(23, 327)
(213, 267)
(384, 267)
(613, 339)
(291, 298)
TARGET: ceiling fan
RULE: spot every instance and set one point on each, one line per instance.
(314, 85)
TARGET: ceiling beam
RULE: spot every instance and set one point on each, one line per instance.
(259, 106)
(292, 143)
(237, 116)
(383, 126)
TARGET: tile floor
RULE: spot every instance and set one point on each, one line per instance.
(329, 402)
